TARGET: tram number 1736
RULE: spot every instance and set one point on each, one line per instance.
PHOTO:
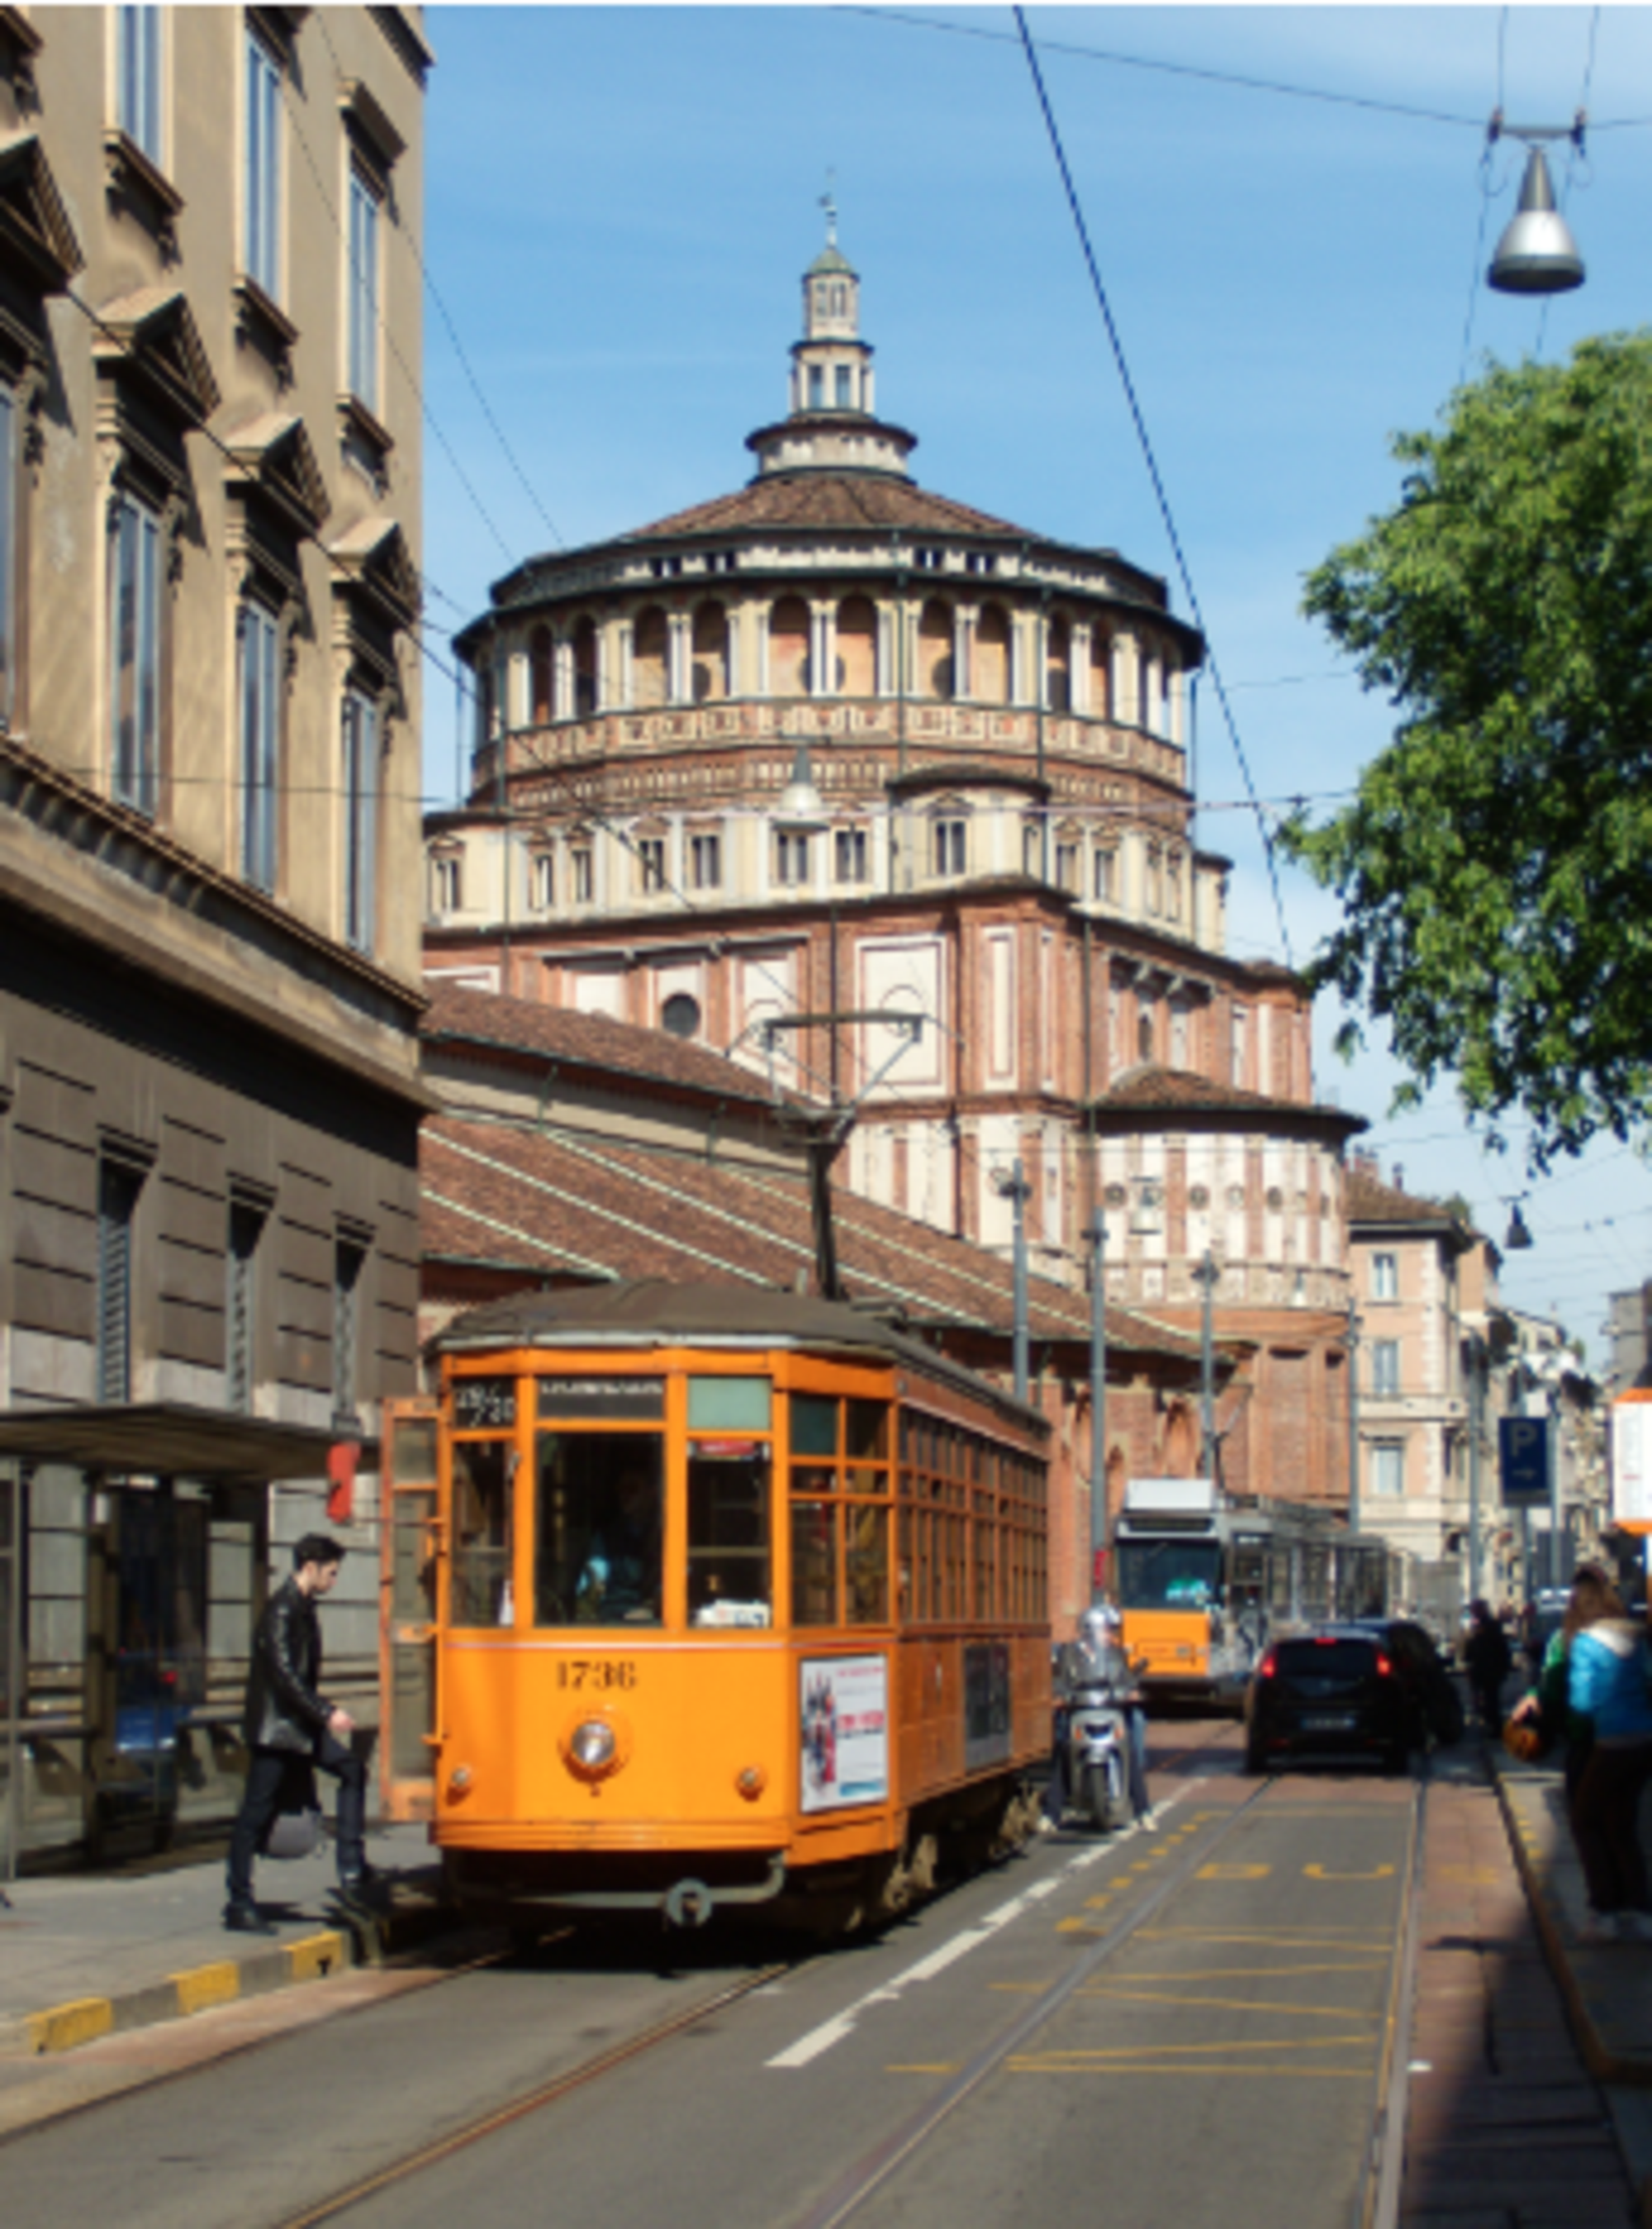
(596, 1673)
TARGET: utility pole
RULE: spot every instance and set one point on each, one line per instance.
(1477, 1428)
(1100, 1526)
(1016, 1190)
(1205, 1277)
(1353, 1415)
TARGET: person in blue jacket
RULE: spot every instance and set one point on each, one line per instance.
(1609, 1682)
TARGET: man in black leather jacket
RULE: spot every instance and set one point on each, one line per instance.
(288, 1722)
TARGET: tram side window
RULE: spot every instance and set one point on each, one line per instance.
(814, 1563)
(728, 1540)
(866, 1563)
(599, 1517)
(481, 1533)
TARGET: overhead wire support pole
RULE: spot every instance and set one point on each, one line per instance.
(1099, 1527)
(1165, 513)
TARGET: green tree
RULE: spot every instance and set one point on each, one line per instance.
(1496, 867)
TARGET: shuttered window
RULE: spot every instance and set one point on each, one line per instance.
(117, 1190)
(135, 609)
(347, 1260)
(241, 1309)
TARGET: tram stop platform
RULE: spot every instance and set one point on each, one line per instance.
(89, 1954)
(1607, 1988)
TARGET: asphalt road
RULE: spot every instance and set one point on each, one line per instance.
(1188, 2027)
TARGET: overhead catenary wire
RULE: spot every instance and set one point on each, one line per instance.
(391, 345)
(1154, 474)
(435, 295)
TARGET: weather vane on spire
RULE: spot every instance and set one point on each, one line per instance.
(828, 202)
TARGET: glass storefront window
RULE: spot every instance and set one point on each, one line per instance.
(481, 1533)
(598, 1551)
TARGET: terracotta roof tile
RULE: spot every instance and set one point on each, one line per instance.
(591, 1040)
(820, 498)
(1367, 1199)
(1170, 1090)
(575, 1205)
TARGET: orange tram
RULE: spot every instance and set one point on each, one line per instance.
(698, 1596)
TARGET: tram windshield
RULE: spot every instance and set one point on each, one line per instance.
(1168, 1574)
(600, 1528)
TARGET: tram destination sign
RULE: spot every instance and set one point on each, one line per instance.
(605, 1399)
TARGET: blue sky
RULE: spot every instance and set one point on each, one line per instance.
(620, 203)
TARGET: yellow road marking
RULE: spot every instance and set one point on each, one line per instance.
(1221, 1872)
(1033, 1989)
(1227, 2004)
(1180, 2068)
(1206, 2049)
(940, 2066)
(1319, 1873)
(1260, 1973)
(1346, 1937)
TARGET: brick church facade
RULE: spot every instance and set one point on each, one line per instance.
(890, 799)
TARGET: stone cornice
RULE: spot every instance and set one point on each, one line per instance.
(119, 881)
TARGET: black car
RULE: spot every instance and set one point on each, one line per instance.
(1333, 1695)
(1435, 1701)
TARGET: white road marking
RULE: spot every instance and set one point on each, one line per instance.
(820, 2039)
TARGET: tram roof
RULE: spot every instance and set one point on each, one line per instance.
(653, 1311)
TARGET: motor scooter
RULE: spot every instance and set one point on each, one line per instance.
(1097, 1758)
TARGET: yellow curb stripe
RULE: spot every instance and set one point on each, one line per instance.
(203, 1987)
(64, 2028)
(315, 1956)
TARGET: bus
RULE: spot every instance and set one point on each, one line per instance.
(1205, 1578)
(698, 1596)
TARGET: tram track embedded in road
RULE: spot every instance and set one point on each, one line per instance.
(1380, 2183)
(532, 2101)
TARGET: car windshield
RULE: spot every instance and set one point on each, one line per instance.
(1168, 1574)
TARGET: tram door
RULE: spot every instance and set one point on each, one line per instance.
(408, 1539)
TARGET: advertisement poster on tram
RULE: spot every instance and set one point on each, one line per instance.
(845, 1748)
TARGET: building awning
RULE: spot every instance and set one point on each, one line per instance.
(171, 1439)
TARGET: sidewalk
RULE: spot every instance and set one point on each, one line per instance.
(1607, 1988)
(1505, 2127)
(92, 1954)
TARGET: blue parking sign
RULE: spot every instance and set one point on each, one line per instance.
(1523, 1455)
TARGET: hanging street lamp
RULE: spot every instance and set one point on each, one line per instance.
(1537, 254)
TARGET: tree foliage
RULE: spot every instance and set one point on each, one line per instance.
(1496, 867)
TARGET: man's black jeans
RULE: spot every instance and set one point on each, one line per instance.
(265, 1770)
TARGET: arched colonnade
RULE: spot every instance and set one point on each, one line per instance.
(936, 649)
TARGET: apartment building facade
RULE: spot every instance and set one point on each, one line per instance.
(209, 520)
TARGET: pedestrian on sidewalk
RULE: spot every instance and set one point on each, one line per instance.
(1486, 1655)
(1547, 1707)
(288, 1724)
(1609, 1681)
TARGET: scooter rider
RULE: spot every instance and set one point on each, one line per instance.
(1124, 1674)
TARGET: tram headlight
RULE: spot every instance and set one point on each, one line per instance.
(592, 1746)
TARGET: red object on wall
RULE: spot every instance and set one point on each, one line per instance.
(340, 1472)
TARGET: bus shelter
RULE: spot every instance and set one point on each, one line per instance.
(134, 1559)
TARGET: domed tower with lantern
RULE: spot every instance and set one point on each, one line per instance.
(890, 798)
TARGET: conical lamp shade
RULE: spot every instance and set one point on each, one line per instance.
(1537, 254)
